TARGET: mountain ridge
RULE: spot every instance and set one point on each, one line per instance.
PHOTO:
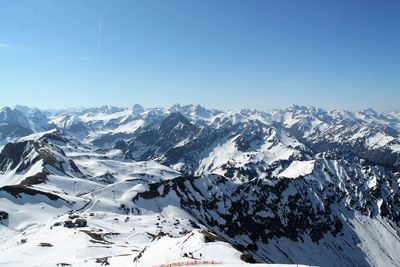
(294, 186)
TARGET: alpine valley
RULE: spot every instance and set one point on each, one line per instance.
(188, 185)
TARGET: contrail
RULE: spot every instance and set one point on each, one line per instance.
(6, 46)
(99, 27)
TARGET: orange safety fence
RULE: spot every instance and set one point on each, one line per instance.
(189, 263)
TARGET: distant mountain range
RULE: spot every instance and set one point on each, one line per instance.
(152, 186)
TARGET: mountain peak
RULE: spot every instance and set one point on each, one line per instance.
(13, 117)
(202, 111)
(182, 109)
(369, 112)
(172, 120)
(137, 109)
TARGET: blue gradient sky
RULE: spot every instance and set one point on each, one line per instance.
(220, 53)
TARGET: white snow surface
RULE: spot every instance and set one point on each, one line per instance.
(379, 140)
(298, 169)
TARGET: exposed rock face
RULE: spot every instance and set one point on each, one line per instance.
(18, 190)
(23, 155)
(12, 154)
(3, 215)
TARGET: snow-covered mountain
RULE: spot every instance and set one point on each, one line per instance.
(152, 186)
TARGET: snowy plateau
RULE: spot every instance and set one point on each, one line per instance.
(188, 186)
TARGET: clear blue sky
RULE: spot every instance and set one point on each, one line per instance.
(220, 53)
